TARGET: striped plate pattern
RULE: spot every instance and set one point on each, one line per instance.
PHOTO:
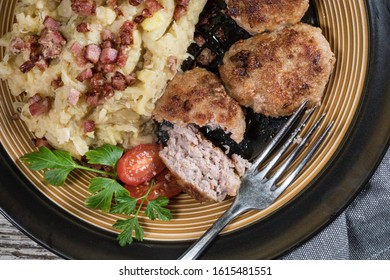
(345, 25)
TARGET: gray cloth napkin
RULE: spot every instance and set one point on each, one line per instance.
(361, 232)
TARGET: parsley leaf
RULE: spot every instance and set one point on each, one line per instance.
(57, 176)
(104, 190)
(125, 205)
(128, 227)
(155, 209)
(58, 164)
(105, 155)
(45, 158)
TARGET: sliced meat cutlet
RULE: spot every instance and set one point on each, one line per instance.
(273, 73)
(201, 169)
(198, 97)
(257, 16)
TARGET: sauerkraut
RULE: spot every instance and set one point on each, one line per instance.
(159, 46)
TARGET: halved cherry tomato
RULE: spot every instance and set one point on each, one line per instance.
(140, 164)
(164, 185)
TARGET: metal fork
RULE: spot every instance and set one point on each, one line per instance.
(258, 189)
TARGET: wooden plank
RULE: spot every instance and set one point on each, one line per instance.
(14, 245)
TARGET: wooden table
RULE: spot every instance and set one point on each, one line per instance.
(14, 245)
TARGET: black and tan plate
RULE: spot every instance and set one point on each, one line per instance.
(357, 98)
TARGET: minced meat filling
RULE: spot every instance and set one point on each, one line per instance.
(204, 171)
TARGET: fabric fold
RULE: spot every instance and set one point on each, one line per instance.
(361, 232)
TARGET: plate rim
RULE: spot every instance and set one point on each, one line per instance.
(71, 238)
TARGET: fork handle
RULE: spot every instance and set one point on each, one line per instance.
(198, 247)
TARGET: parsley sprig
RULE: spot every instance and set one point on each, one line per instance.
(58, 164)
(126, 205)
(107, 194)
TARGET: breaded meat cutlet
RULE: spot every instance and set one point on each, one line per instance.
(198, 97)
(273, 73)
(257, 16)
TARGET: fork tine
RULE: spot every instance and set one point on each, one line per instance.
(290, 178)
(279, 136)
(295, 153)
(286, 145)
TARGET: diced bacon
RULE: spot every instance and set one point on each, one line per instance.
(96, 82)
(127, 39)
(126, 33)
(42, 64)
(74, 96)
(92, 98)
(128, 26)
(107, 35)
(123, 55)
(39, 106)
(32, 44)
(119, 81)
(84, 7)
(83, 27)
(115, 6)
(183, 2)
(108, 68)
(27, 66)
(135, 2)
(85, 75)
(153, 6)
(108, 55)
(146, 13)
(51, 23)
(35, 57)
(89, 126)
(35, 98)
(92, 53)
(105, 68)
(17, 45)
(139, 19)
(78, 51)
(179, 12)
(51, 42)
(49, 36)
(107, 44)
(81, 61)
(118, 11)
(131, 79)
(108, 92)
(40, 142)
(57, 83)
